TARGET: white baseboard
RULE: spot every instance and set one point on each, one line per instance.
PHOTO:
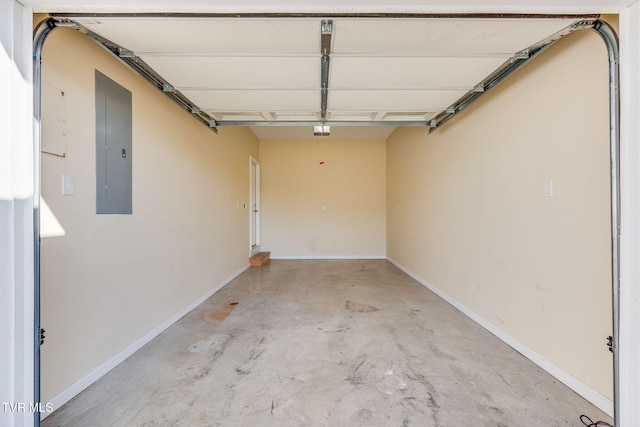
(329, 257)
(563, 376)
(75, 389)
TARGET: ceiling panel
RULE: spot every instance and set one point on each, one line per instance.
(209, 35)
(411, 72)
(238, 71)
(393, 100)
(441, 36)
(295, 115)
(255, 100)
(410, 116)
(352, 115)
(238, 115)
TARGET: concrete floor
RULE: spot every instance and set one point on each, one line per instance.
(326, 343)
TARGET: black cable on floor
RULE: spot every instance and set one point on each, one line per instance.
(588, 422)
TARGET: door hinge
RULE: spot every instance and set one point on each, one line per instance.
(42, 331)
(610, 343)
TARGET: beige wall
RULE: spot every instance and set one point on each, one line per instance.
(466, 211)
(350, 185)
(113, 278)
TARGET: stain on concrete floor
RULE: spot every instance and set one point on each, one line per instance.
(219, 314)
(355, 307)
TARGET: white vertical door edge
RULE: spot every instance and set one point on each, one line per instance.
(16, 215)
(254, 206)
(629, 334)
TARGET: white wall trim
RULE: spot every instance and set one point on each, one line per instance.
(17, 279)
(629, 345)
(329, 257)
(75, 389)
(569, 380)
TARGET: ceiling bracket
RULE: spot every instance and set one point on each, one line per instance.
(64, 23)
(322, 130)
(125, 53)
(213, 125)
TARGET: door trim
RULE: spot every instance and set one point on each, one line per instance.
(254, 206)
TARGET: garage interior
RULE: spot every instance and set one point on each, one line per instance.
(504, 211)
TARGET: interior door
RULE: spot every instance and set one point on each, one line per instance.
(254, 206)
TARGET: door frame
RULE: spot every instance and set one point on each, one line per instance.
(254, 206)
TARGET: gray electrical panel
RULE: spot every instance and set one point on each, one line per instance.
(113, 147)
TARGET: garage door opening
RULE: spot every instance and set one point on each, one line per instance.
(339, 106)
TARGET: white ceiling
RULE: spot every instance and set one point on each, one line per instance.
(268, 69)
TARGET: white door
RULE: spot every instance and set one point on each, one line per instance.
(254, 205)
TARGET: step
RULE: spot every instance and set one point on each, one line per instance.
(260, 259)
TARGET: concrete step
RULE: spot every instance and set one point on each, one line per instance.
(260, 259)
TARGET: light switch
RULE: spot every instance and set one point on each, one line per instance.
(67, 185)
(548, 188)
(323, 208)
